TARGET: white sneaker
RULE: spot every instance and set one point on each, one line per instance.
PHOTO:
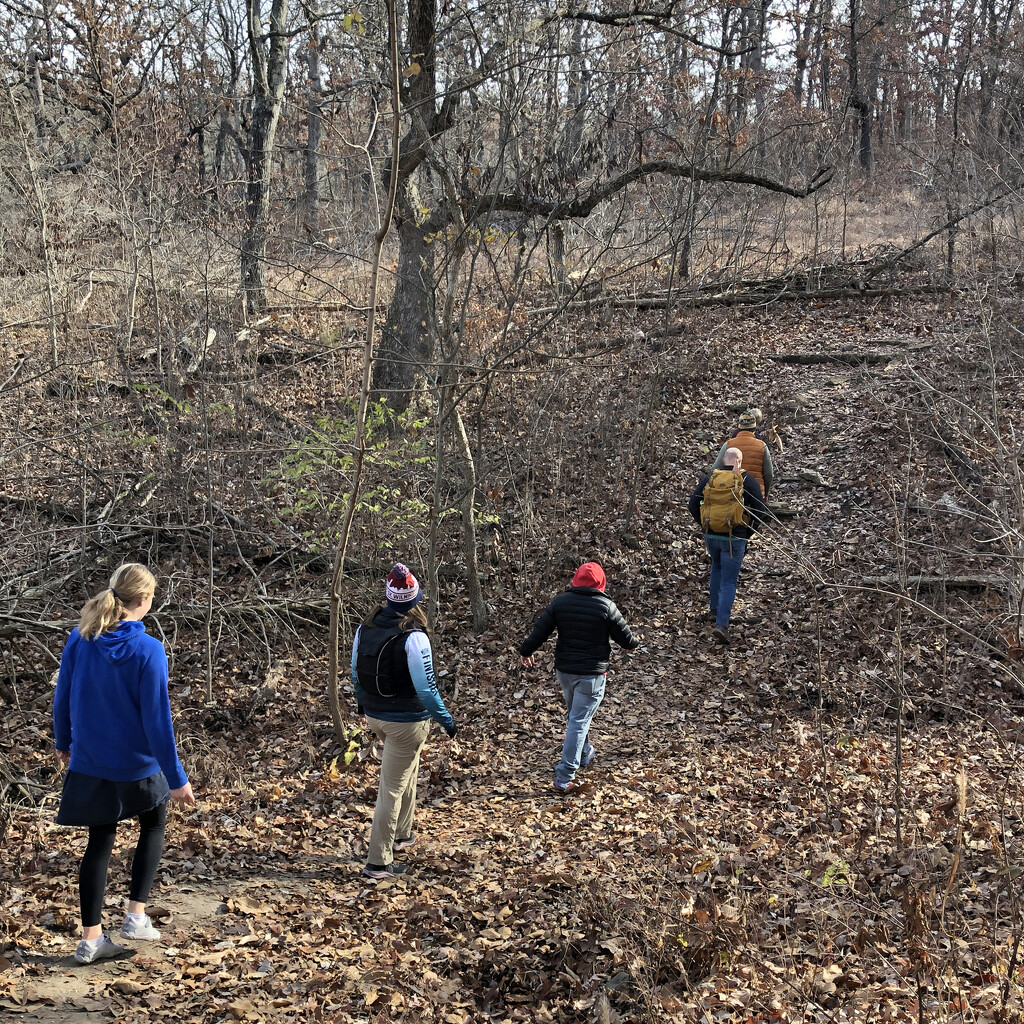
(136, 929)
(91, 950)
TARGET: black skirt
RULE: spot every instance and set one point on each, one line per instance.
(86, 800)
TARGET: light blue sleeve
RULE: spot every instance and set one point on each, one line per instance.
(355, 678)
(355, 655)
(421, 668)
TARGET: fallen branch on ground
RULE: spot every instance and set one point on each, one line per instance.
(985, 582)
(687, 300)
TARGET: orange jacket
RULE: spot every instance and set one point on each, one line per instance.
(757, 460)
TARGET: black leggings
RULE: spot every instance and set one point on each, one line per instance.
(92, 875)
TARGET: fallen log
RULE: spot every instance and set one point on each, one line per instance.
(980, 582)
(691, 301)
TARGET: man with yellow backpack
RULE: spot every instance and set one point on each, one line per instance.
(728, 505)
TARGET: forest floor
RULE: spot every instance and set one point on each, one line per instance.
(820, 822)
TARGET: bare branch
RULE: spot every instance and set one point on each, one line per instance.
(581, 206)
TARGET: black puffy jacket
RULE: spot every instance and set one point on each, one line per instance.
(586, 620)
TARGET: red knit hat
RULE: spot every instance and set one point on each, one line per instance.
(589, 574)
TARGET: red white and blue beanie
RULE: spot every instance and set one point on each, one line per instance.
(401, 588)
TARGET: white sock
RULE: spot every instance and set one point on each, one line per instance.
(94, 942)
(135, 918)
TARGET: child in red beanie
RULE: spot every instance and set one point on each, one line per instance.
(587, 620)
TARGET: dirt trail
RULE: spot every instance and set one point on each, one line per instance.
(57, 990)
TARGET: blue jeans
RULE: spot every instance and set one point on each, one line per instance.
(725, 571)
(582, 696)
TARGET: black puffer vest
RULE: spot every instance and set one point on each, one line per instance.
(382, 667)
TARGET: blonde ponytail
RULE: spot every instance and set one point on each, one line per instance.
(130, 584)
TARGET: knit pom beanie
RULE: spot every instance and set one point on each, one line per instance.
(748, 420)
(589, 574)
(401, 588)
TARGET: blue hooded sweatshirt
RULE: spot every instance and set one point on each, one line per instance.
(111, 708)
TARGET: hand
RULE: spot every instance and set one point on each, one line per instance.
(526, 662)
(64, 756)
(184, 794)
(451, 731)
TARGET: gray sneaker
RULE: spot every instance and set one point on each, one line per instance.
(132, 929)
(88, 952)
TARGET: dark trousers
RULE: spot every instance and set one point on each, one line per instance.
(92, 875)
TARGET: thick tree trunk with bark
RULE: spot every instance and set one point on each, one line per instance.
(257, 208)
(407, 342)
(269, 56)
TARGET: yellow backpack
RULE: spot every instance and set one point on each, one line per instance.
(722, 508)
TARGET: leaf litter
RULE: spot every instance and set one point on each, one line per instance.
(732, 854)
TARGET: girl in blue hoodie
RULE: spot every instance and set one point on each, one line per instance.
(112, 726)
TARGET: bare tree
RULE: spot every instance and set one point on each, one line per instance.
(268, 49)
(552, 190)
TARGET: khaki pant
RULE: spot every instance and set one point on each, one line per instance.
(396, 795)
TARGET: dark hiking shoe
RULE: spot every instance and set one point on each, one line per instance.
(720, 634)
(404, 844)
(566, 787)
(710, 616)
(379, 871)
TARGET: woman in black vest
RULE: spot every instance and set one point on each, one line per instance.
(393, 676)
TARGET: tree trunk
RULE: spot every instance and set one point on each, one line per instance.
(866, 148)
(314, 132)
(269, 57)
(257, 208)
(861, 99)
(407, 344)
(803, 49)
(407, 340)
(757, 64)
(556, 251)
